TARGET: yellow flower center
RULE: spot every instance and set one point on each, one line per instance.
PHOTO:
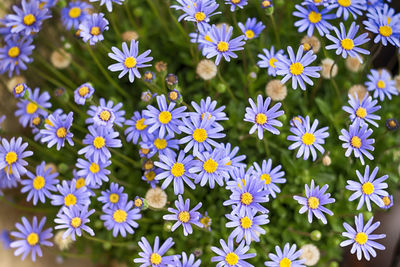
(205, 221)
(261, 118)
(199, 135)
(130, 62)
(105, 115)
(231, 258)
(178, 169)
(313, 203)
(150, 175)
(210, 165)
(235, 1)
(307, 46)
(266, 3)
(165, 117)
(138, 202)
(160, 143)
(76, 222)
(61, 132)
(113, 198)
(368, 188)
(361, 112)
(36, 121)
(148, 165)
(285, 262)
(99, 142)
(385, 30)
(19, 88)
(74, 12)
(173, 95)
(148, 75)
(119, 216)
(184, 216)
(39, 182)
(95, 30)
(308, 139)
(386, 201)
(381, 84)
(29, 19)
(140, 126)
(83, 91)
(249, 34)
(31, 108)
(222, 46)
(355, 142)
(246, 222)
(69, 200)
(266, 178)
(361, 238)
(32, 239)
(296, 68)
(246, 198)
(80, 183)
(155, 258)
(200, 16)
(347, 44)
(344, 3)
(314, 17)
(11, 157)
(94, 168)
(272, 61)
(13, 51)
(229, 163)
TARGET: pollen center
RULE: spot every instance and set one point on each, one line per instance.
(138, 202)
(386, 201)
(19, 89)
(210, 165)
(140, 124)
(32, 239)
(361, 238)
(314, 17)
(344, 3)
(95, 30)
(285, 262)
(11, 157)
(113, 198)
(31, 108)
(76, 222)
(94, 168)
(272, 61)
(150, 175)
(199, 135)
(368, 188)
(83, 91)
(74, 12)
(246, 198)
(296, 68)
(200, 16)
(355, 142)
(178, 169)
(80, 183)
(381, 84)
(385, 30)
(105, 115)
(249, 34)
(160, 143)
(235, 1)
(313, 203)
(308, 139)
(119, 216)
(29, 19)
(39, 182)
(13, 51)
(184, 216)
(347, 44)
(266, 178)
(164, 117)
(61, 132)
(222, 46)
(155, 258)
(231, 258)
(69, 200)
(361, 112)
(261, 118)
(130, 62)
(99, 142)
(246, 222)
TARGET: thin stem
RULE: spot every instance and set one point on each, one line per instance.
(126, 158)
(277, 37)
(227, 85)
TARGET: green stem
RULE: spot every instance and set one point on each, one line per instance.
(227, 85)
(128, 159)
(115, 244)
(277, 37)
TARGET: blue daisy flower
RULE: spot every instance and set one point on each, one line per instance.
(252, 28)
(94, 171)
(138, 202)
(211, 167)
(198, 11)
(356, 140)
(307, 138)
(7, 179)
(317, 2)
(262, 117)
(202, 33)
(314, 202)
(311, 18)
(288, 257)
(137, 129)
(363, 110)
(176, 168)
(184, 216)
(57, 132)
(208, 106)
(92, 28)
(387, 202)
(148, 150)
(108, 3)
(206, 221)
(19, 90)
(234, 161)
(40, 184)
(238, 174)
(128, 60)
(113, 196)
(29, 109)
(74, 13)
(121, 219)
(231, 256)
(381, 83)
(106, 114)
(166, 119)
(6, 239)
(150, 175)
(346, 7)
(247, 226)
(361, 238)
(70, 195)
(30, 237)
(270, 176)
(163, 145)
(82, 93)
(74, 220)
(221, 44)
(16, 54)
(269, 59)
(154, 256)
(149, 76)
(28, 19)
(186, 261)
(12, 156)
(98, 142)
(347, 43)
(236, 4)
(368, 188)
(297, 67)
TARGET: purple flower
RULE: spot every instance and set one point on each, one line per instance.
(270, 176)
(381, 83)
(16, 54)
(346, 7)
(70, 195)
(12, 156)
(269, 59)
(154, 256)
(74, 13)
(94, 171)
(363, 109)
(113, 196)
(311, 18)
(230, 256)
(106, 114)
(137, 128)
(108, 3)
(83, 92)
(92, 27)
(57, 132)
(252, 28)
(288, 257)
